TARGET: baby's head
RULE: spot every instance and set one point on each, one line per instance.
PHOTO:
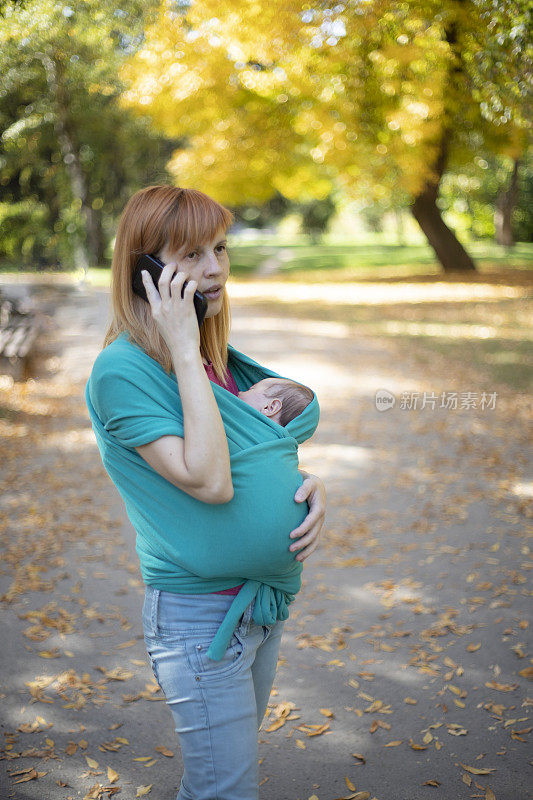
(278, 398)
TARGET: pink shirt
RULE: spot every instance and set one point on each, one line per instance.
(232, 387)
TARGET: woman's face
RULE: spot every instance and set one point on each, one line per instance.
(207, 265)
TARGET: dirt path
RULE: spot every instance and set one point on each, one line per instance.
(408, 641)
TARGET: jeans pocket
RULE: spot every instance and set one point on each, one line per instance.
(204, 667)
(153, 664)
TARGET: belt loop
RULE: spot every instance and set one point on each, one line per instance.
(155, 606)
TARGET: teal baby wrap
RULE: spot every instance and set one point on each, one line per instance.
(185, 545)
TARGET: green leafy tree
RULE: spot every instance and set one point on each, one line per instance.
(373, 100)
(523, 213)
(70, 153)
(490, 197)
(264, 214)
(316, 216)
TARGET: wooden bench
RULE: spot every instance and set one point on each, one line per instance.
(18, 332)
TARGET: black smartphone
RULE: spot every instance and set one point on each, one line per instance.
(154, 266)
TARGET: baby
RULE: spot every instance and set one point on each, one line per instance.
(278, 398)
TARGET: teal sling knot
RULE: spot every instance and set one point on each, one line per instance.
(185, 545)
(270, 605)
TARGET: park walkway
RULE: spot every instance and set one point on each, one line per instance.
(404, 667)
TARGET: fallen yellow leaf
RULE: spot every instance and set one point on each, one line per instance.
(501, 687)
(476, 771)
(276, 724)
(112, 776)
(164, 751)
(455, 690)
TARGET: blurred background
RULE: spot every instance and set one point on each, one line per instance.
(377, 158)
(354, 141)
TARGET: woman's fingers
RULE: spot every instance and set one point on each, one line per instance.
(149, 286)
(168, 275)
(176, 284)
(308, 532)
(314, 516)
(316, 503)
(172, 305)
(303, 554)
(307, 538)
(170, 285)
(190, 289)
(307, 544)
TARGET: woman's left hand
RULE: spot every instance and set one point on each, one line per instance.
(312, 490)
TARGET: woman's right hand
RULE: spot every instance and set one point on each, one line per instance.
(175, 317)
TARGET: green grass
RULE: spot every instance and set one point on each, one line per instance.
(341, 262)
(349, 261)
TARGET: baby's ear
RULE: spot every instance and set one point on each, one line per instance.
(277, 404)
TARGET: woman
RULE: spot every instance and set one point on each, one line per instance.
(218, 695)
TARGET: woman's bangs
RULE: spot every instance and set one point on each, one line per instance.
(195, 220)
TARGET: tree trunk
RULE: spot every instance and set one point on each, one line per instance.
(101, 242)
(505, 204)
(95, 236)
(51, 199)
(78, 185)
(448, 249)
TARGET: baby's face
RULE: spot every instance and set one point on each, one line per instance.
(256, 397)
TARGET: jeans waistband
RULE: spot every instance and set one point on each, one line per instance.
(153, 599)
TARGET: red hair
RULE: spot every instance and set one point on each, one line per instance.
(154, 217)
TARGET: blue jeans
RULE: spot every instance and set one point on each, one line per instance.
(218, 706)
